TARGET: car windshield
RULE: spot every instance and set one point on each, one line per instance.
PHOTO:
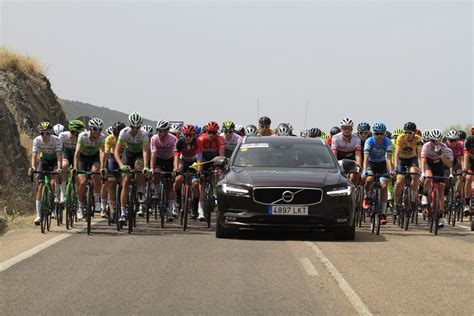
(284, 155)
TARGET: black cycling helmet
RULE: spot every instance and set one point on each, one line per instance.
(314, 132)
(409, 126)
(264, 120)
(117, 127)
(363, 127)
(462, 135)
(335, 130)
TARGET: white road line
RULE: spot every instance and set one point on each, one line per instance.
(33, 251)
(308, 266)
(355, 300)
(462, 226)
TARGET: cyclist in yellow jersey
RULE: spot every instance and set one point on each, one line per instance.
(397, 132)
(407, 158)
(264, 126)
(112, 166)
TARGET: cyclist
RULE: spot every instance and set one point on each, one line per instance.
(112, 167)
(434, 156)
(231, 139)
(198, 130)
(212, 145)
(251, 130)
(175, 130)
(346, 145)
(462, 135)
(457, 147)
(239, 130)
(163, 146)
(134, 143)
(109, 131)
(468, 167)
(89, 156)
(377, 160)
(58, 129)
(148, 129)
(46, 147)
(407, 159)
(335, 130)
(425, 136)
(69, 142)
(186, 153)
(264, 124)
(282, 130)
(314, 132)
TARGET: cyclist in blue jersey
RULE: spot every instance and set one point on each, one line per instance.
(377, 160)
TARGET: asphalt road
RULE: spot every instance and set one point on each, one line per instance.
(169, 271)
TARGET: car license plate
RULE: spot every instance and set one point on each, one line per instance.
(288, 210)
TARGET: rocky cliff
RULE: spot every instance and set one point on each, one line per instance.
(26, 99)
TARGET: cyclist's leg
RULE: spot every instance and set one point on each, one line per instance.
(65, 167)
(197, 194)
(42, 166)
(140, 181)
(83, 166)
(468, 188)
(415, 179)
(167, 166)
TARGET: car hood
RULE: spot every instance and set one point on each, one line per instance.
(284, 177)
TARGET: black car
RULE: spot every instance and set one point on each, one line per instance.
(284, 183)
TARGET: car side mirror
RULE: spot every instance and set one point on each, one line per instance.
(347, 165)
(220, 161)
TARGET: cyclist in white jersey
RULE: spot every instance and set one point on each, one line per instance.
(231, 139)
(47, 148)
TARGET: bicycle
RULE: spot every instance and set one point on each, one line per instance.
(360, 213)
(209, 197)
(133, 203)
(90, 205)
(47, 200)
(70, 201)
(434, 213)
(375, 204)
(161, 203)
(409, 211)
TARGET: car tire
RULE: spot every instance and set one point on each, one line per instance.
(348, 234)
(222, 232)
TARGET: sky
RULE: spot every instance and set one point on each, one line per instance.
(374, 61)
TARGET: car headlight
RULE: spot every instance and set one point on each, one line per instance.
(340, 191)
(234, 189)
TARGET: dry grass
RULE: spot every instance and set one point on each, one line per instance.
(11, 60)
(11, 222)
(27, 143)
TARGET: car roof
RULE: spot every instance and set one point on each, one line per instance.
(282, 139)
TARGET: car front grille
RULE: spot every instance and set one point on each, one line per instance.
(274, 195)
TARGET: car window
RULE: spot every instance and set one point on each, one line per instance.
(284, 155)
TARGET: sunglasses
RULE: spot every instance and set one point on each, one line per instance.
(96, 129)
(346, 127)
(45, 133)
(135, 127)
(212, 133)
(408, 133)
(378, 134)
(228, 132)
(189, 135)
(363, 133)
(162, 130)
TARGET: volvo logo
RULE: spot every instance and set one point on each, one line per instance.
(288, 196)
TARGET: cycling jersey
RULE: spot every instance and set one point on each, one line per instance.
(269, 132)
(88, 146)
(345, 149)
(187, 152)
(210, 148)
(68, 144)
(229, 145)
(408, 149)
(428, 151)
(110, 143)
(469, 147)
(457, 147)
(377, 152)
(47, 150)
(165, 147)
(132, 143)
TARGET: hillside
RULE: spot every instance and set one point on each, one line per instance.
(75, 109)
(26, 99)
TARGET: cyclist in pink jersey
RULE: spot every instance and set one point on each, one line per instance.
(347, 145)
(457, 147)
(162, 147)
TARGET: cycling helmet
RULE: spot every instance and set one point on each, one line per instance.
(45, 126)
(76, 125)
(409, 126)
(264, 120)
(418, 132)
(58, 129)
(148, 129)
(335, 130)
(212, 127)
(163, 124)
(96, 123)
(117, 127)
(239, 129)
(283, 129)
(323, 134)
(426, 135)
(135, 119)
(304, 133)
(109, 130)
(174, 128)
(363, 127)
(452, 134)
(388, 134)
(397, 132)
(189, 130)
(379, 128)
(346, 122)
(198, 129)
(251, 130)
(314, 132)
(462, 134)
(290, 127)
(436, 135)
(228, 125)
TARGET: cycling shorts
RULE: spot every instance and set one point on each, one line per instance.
(112, 166)
(404, 164)
(46, 165)
(165, 165)
(377, 168)
(69, 156)
(86, 162)
(130, 158)
(437, 168)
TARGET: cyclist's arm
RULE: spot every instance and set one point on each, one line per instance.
(395, 156)
(34, 160)
(465, 160)
(59, 159)
(176, 160)
(423, 164)
(76, 155)
(366, 161)
(447, 161)
(152, 160)
(118, 149)
(388, 159)
(358, 157)
(102, 156)
(146, 149)
(199, 160)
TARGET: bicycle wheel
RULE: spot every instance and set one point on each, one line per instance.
(185, 203)
(118, 209)
(68, 204)
(131, 209)
(162, 205)
(436, 212)
(377, 223)
(407, 208)
(147, 202)
(209, 204)
(89, 208)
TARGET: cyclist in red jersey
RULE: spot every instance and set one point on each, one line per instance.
(212, 145)
(468, 167)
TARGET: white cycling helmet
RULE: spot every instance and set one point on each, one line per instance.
(58, 129)
(346, 122)
(425, 136)
(163, 124)
(174, 129)
(135, 119)
(109, 130)
(452, 134)
(147, 129)
(96, 123)
(435, 134)
(251, 130)
(283, 129)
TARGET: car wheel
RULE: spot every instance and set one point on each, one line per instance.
(222, 232)
(348, 234)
